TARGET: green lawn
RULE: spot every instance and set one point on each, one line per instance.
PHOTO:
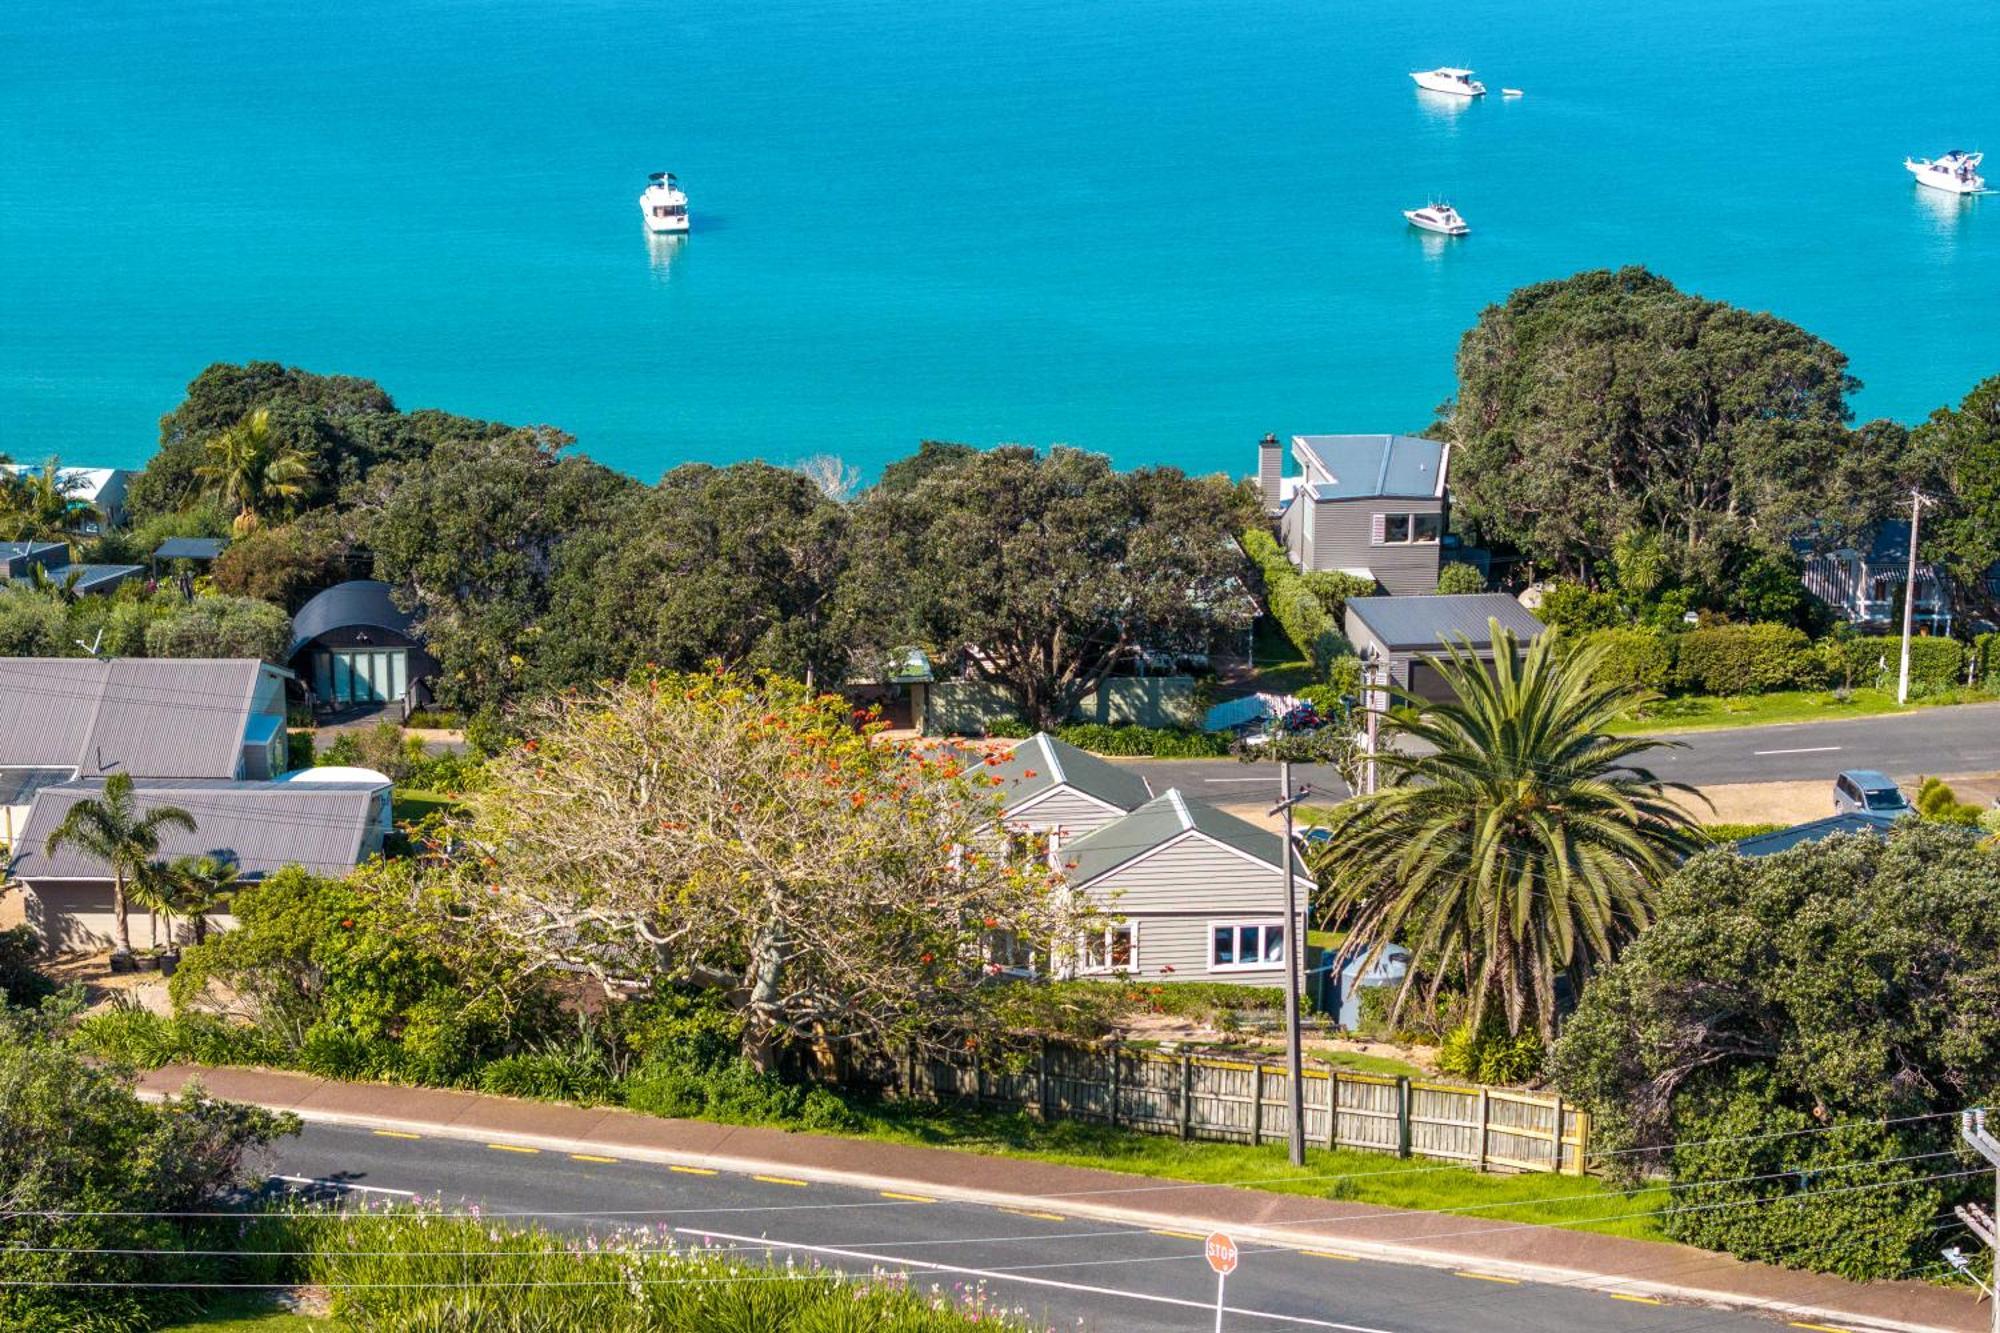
(1706, 712)
(1358, 1177)
(1280, 669)
(252, 1314)
(414, 805)
(1363, 1063)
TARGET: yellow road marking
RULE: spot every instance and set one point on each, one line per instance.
(1178, 1235)
(780, 1180)
(1489, 1277)
(395, 1134)
(1332, 1254)
(908, 1198)
(1823, 1328)
(1636, 1300)
(592, 1157)
(694, 1170)
(509, 1147)
(1030, 1212)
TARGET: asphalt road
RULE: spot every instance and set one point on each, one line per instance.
(1963, 738)
(1069, 1272)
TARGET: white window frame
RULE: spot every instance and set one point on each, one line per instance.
(1378, 528)
(1083, 941)
(1264, 924)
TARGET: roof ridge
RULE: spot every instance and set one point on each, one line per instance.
(1055, 760)
(1179, 803)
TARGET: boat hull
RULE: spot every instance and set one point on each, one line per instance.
(1432, 225)
(1949, 182)
(666, 226)
(1433, 83)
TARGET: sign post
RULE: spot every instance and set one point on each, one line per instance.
(1222, 1256)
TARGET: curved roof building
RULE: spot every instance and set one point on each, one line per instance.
(353, 645)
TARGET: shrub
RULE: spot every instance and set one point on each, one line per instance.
(221, 627)
(1745, 659)
(1569, 605)
(1457, 577)
(1332, 588)
(575, 1072)
(21, 982)
(1307, 608)
(1635, 657)
(1986, 660)
(1937, 665)
(32, 624)
(1937, 801)
(1490, 1055)
(1326, 700)
(1161, 742)
(452, 772)
(299, 751)
(1720, 834)
(1008, 728)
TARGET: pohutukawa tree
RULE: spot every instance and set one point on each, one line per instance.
(748, 835)
(1516, 842)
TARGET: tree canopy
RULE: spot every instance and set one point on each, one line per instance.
(1777, 1012)
(1608, 403)
(1046, 570)
(1960, 449)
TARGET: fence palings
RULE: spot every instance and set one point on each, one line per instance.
(1245, 1102)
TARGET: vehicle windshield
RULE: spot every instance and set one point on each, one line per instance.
(1885, 798)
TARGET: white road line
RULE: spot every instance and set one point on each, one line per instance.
(1266, 781)
(1002, 1275)
(1809, 749)
(344, 1185)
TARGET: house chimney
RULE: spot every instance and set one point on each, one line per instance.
(1270, 472)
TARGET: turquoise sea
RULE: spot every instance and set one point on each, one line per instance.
(1156, 228)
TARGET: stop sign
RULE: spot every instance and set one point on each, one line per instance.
(1221, 1253)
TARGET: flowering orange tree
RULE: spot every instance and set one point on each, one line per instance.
(751, 835)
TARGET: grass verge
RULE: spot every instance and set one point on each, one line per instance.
(252, 1314)
(1707, 712)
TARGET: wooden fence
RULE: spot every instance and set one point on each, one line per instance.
(1200, 1097)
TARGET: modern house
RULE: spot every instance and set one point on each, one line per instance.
(102, 489)
(1190, 893)
(69, 718)
(1369, 505)
(353, 645)
(1400, 632)
(20, 560)
(198, 550)
(1050, 787)
(260, 827)
(1863, 580)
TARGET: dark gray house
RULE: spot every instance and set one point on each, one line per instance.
(1818, 830)
(1402, 631)
(353, 645)
(1370, 505)
(260, 827)
(20, 560)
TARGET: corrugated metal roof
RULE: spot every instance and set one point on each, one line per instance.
(358, 602)
(191, 548)
(1376, 465)
(150, 717)
(261, 826)
(89, 578)
(1159, 822)
(1784, 839)
(1055, 763)
(1427, 623)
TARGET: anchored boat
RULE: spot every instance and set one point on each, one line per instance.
(1445, 79)
(664, 204)
(1440, 218)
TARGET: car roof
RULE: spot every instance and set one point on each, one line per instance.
(1869, 778)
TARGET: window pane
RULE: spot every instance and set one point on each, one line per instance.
(1225, 946)
(1246, 944)
(1426, 527)
(1395, 527)
(1274, 944)
(1121, 946)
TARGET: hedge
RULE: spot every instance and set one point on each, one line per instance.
(1636, 657)
(1937, 665)
(1159, 742)
(1307, 607)
(1986, 652)
(1745, 659)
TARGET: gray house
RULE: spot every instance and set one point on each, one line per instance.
(354, 645)
(1370, 505)
(1863, 580)
(1191, 894)
(1401, 631)
(20, 560)
(1053, 788)
(260, 827)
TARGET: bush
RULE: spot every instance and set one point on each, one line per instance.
(299, 751)
(1490, 1055)
(576, 1072)
(1008, 728)
(221, 627)
(1634, 657)
(32, 624)
(1986, 660)
(1720, 834)
(1160, 742)
(382, 747)
(21, 982)
(1457, 578)
(1938, 802)
(1745, 659)
(1569, 605)
(1937, 666)
(1307, 608)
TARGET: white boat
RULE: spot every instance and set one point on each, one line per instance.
(1956, 171)
(664, 204)
(1440, 218)
(1457, 82)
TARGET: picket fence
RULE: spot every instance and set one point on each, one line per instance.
(1202, 1097)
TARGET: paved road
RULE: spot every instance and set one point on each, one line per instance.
(1961, 739)
(1073, 1273)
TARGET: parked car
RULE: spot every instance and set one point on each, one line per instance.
(1864, 791)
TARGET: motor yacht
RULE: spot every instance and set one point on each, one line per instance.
(664, 204)
(1440, 218)
(1457, 82)
(1957, 171)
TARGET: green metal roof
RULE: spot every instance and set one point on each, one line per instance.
(1056, 763)
(1159, 822)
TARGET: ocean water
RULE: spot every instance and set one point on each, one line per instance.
(1156, 228)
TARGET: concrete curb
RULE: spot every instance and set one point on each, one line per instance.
(1388, 1252)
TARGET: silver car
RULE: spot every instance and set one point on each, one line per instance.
(1864, 791)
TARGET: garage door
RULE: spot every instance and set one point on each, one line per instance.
(1426, 683)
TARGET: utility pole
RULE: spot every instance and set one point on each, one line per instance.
(1294, 954)
(1371, 666)
(1972, 1128)
(1917, 503)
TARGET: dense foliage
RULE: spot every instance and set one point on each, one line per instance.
(1047, 570)
(1515, 844)
(1309, 607)
(1960, 451)
(1779, 1012)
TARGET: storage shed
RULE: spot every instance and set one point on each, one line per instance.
(1406, 630)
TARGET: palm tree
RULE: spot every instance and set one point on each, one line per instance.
(198, 885)
(40, 505)
(1516, 842)
(111, 829)
(249, 467)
